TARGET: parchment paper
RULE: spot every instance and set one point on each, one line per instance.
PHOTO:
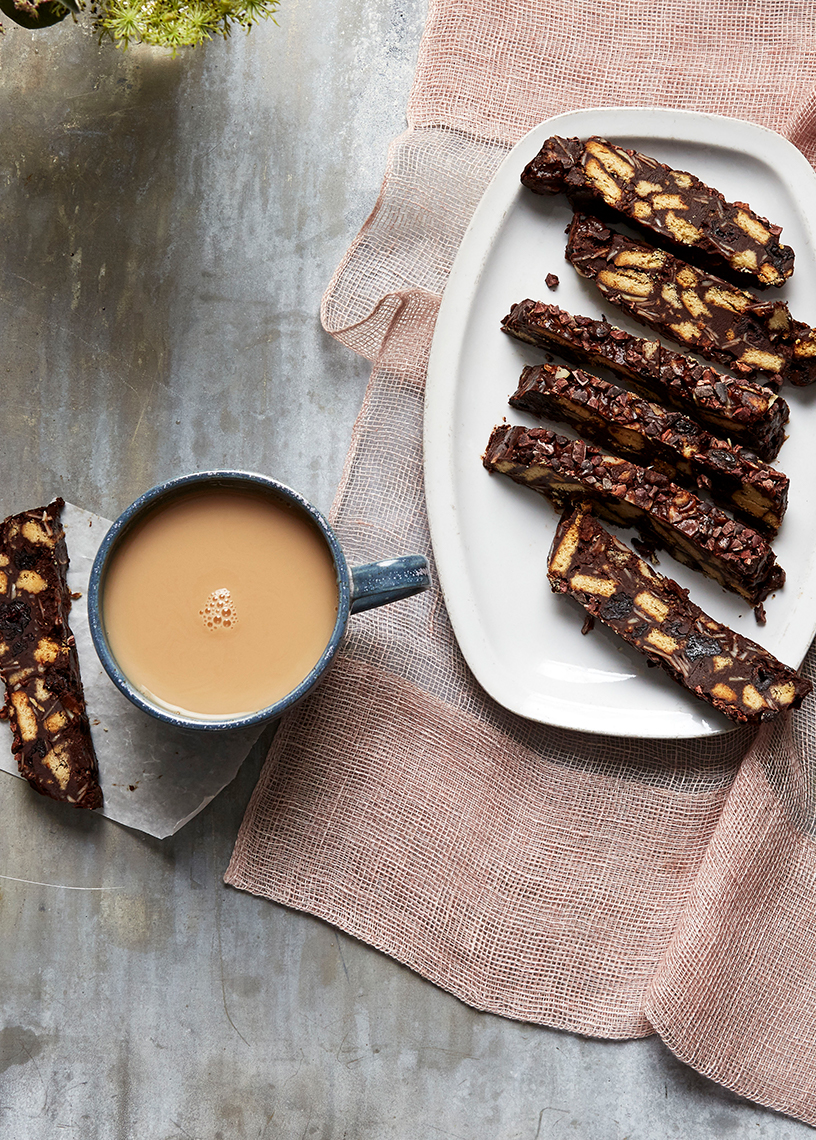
(154, 778)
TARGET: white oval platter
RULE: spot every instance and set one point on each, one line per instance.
(491, 538)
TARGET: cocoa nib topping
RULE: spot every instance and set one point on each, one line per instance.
(739, 410)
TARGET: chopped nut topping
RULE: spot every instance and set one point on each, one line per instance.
(732, 409)
(697, 533)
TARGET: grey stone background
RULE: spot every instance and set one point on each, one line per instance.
(168, 227)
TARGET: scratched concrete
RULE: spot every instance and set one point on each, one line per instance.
(168, 227)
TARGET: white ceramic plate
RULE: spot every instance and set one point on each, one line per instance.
(491, 537)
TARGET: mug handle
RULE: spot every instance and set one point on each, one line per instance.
(378, 583)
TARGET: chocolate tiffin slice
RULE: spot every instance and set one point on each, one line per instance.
(655, 616)
(701, 312)
(39, 666)
(671, 207)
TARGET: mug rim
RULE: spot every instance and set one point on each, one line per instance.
(139, 509)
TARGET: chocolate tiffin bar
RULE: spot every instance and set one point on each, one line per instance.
(694, 532)
(671, 207)
(734, 409)
(39, 666)
(656, 617)
(703, 313)
(652, 435)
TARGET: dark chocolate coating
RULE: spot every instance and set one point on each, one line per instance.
(672, 208)
(656, 617)
(38, 660)
(692, 531)
(650, 435)
(737, 409)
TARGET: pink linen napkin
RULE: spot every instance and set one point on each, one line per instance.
(612, 887)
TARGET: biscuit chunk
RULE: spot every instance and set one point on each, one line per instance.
(703, 313)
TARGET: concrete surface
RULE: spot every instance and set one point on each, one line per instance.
(168, 227)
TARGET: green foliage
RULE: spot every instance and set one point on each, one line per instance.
(175, 23)
(163, 23)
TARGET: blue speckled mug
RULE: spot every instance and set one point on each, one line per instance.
(359, 588)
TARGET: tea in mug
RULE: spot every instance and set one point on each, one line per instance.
(220, 602)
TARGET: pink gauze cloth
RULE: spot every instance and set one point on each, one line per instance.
(608, 886)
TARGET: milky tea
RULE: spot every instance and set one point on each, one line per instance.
(220, 602)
